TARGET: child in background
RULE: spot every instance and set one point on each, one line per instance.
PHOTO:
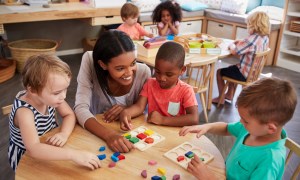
(167, 15)
(259, 151)
(171, 102)
(130, 14)
(46, 79)
(258, 26)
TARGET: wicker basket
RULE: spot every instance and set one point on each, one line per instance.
(7, 69)
(21, 50)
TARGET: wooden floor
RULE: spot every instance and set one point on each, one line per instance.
(228, 113)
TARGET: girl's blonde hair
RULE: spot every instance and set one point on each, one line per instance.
(37, 69)
(259, 23)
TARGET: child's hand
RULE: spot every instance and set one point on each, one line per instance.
(150, 35)
(125, 121)
(118, 143)
(198, 169)
(155, 118)
(113, 113)
(199, 129)
(58, 139)
(86, 159)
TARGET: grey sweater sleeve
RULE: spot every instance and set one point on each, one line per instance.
(84, 89)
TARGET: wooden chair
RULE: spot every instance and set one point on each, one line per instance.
(293, 148)
(254, 73)
(6, 109)
(204, 72)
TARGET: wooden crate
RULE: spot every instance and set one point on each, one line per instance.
(184, 40)
(295, 26)
(142, 51)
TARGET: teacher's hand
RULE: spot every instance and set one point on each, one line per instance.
(118, 143)
(113, 113)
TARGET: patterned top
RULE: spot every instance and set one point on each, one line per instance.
(169, 102)
(247, 48)
(43, 124)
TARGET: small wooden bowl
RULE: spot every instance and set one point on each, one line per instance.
(7, 69)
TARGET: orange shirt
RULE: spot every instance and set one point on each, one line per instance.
(160, 100)
(134, 32)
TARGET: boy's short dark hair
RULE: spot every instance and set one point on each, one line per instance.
(269, 100)
(129, 10)
(172, 52)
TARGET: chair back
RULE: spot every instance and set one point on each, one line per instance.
(200, 73)
(293, 148)
(6, 109)
(257, 65)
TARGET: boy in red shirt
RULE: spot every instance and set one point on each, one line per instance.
(171, 102)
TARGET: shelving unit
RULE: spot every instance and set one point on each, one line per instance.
(289, 52)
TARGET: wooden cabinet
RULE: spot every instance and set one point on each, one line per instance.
(289, 52)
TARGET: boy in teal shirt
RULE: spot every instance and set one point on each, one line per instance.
(259, 151)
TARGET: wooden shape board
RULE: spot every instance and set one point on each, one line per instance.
(141, 144)
(182, 149)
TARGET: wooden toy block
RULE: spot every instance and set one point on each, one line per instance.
(101, 156)
(121, 157)
(180, 158)
(149, 140)
(148, 132)
(141, 136)
(134, 140)
(155, 178)
(152, 162)
(162, 171)
(114, 158)
(144, 173)
(189, 154)
(187, 150)
(116, 154)
(127, 135)
(111, 164)
(102, 148)
(176, 177)
(163, 177)
(141, 141)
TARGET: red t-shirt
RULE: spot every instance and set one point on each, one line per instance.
(169, 102)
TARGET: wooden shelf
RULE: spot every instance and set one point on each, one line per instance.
(291, 50)
(287, 32)
(294, 14)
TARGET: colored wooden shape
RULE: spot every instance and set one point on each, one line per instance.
(101, 156)
(141, 136)
(180, 158)
(121, 157)
(162, 171)
(155, 178)
(144, 173)
(102, 148)
(149, 140)
(148, 132)
(134, 140)
(114, 158)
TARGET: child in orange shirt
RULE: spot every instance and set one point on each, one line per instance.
(171, 102)
(130, 14)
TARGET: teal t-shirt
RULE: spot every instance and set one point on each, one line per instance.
(254, 162)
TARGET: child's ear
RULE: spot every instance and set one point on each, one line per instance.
(272, 128)
(183, 69)
(104, 66)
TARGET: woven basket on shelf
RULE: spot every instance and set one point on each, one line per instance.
(21, 50)
(7, 69)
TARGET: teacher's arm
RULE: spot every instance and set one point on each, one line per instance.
(82, 108)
